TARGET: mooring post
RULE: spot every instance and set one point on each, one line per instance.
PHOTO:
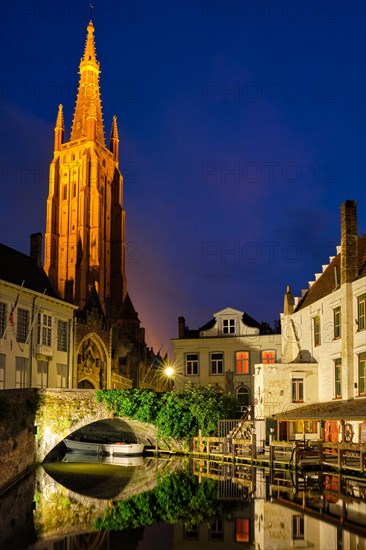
(254, 444)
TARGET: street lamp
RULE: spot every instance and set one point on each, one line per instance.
(169, 372)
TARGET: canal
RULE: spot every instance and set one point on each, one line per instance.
(164, 503)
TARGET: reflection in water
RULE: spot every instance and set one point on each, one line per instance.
(173, 504)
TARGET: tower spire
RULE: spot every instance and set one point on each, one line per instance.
(114, 139)
(88, 99)
(59, 129)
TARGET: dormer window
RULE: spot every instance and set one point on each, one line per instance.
(228, 326)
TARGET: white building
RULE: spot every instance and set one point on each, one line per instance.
(323, 345)
(223, 353)
(36, 326)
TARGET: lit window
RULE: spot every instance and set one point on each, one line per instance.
(242, 531)
(361, 311)
(62, 335)
(361, 373)
(316, 328)
(2, 371)
(242, 362)
(44, 329)
(191, 364)
(297, 527)
(22, 325)
(268, 357)
(297, 390)
(338, 377)
(228, 326)
(337, 322)
(2, 319)
(217, 363)
(62, 376)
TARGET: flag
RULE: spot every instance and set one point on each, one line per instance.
(11, 318)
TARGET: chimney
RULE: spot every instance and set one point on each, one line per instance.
(181, 327)
(36, 248)
(349, 242)
(288, 302)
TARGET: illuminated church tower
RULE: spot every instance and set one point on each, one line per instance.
(85, 223)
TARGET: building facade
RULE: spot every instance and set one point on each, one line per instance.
(36, 326)
(323, 344)
(224, 352)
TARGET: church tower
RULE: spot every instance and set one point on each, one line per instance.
(85, 220)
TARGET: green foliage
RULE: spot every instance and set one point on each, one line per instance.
(178, 414)
(177, 498)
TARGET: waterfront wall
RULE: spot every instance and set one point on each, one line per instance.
(33, 422)
(17, 442)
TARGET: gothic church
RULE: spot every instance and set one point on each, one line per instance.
(85, 241)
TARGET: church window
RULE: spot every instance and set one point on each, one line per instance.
(217, 363)
(74, 189)
(64, 195)
(242, 362)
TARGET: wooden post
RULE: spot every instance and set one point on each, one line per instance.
(200, 443)
(254, 444)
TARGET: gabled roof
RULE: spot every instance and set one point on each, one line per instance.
(247, 320)
(329, 281)
(16, 267)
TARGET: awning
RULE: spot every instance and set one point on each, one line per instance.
(355, 409)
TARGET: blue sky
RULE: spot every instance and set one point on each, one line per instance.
(242, 130)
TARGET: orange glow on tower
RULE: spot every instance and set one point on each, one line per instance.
(85, 221)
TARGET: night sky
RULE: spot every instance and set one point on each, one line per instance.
(242, 130)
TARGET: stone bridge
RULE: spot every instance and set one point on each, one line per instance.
(62, 412)
(33, 422)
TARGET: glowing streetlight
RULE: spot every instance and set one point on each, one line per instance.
(169, 371)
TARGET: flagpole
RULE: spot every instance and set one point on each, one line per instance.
(10, 318)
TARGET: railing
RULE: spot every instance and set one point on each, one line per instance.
(291, 454)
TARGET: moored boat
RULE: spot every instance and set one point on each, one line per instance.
(99, 447)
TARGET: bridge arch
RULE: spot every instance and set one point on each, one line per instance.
(62, 412)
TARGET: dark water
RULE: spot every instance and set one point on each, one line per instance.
(148, 503)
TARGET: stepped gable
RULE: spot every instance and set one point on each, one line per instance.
(16, 267)
(329, 280)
